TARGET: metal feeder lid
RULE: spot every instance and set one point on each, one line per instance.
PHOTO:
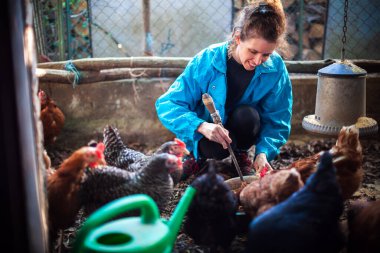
(342, 69)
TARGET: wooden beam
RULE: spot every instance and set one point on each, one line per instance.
(64, 76)
(123, 62)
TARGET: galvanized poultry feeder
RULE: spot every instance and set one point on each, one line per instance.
(341, 101)
(341, 96)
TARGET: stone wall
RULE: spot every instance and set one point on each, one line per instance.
(129, 105)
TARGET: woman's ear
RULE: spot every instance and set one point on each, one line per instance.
(237, 37)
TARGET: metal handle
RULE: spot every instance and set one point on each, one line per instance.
(209, 103)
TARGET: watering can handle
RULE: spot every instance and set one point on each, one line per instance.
(149, 213)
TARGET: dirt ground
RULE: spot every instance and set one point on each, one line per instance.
(298, 146)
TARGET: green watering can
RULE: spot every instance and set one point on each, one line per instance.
(147, 233)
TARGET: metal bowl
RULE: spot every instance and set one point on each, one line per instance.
(235, 182)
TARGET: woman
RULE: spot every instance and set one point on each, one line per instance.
(251, 89)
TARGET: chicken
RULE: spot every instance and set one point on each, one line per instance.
(211, 215)
(119, 155)
(364, 227)
(108, 183)
(63, 186)
(347, 158)
(43, 58)
(308, 221)
(224, 167)
(262, 194)
(52, 118)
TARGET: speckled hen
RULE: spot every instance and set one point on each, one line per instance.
(108, 183)
(119, 155)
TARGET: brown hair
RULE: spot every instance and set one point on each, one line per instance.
(265, 19)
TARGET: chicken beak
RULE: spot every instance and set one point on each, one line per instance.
(102, 161)
(186, 151)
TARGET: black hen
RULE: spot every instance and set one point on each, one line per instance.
(119, 155)
(308, 221)
(211, 216)
(107, 183)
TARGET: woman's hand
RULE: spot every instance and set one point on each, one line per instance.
(216, 133)
(261, 162)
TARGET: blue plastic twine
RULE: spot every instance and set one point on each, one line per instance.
(69, 66)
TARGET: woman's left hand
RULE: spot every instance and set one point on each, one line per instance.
(261, 162)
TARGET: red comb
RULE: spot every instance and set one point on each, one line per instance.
(99, 153)
(180, 143)
(100, 149)
(263, 172)
(40, 93)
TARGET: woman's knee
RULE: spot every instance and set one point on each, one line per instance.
(210, 149)
(244, 119)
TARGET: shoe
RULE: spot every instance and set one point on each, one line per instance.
(191, 166)
(245, 163)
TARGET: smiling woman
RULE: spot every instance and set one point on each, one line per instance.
(252, 52)
(250, 86)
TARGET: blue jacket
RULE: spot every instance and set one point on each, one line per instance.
(181, 110)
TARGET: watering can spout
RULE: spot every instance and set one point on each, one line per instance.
(175, 221)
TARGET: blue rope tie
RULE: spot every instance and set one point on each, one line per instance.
(69, 66)
(149, 43)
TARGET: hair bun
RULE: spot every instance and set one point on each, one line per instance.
(263, 8)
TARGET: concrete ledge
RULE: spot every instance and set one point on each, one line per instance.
(129, 105)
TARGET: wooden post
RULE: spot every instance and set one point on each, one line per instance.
(61, 32)
(148, 40)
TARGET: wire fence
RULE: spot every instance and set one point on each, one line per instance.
(74, 29)
(363, 31)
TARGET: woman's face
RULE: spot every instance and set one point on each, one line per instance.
(253, 52)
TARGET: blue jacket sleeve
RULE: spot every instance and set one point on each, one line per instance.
(176, 107)
(276, 113)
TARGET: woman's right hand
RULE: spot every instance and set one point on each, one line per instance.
(261, 162)
(215, 132)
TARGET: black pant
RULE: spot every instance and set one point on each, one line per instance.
(243, 124)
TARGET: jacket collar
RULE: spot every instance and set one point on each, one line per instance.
(219, 61)
(268, 66)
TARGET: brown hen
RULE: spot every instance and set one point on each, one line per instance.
(52, 118)
(273, 188)
(347, 158)
(63, 186)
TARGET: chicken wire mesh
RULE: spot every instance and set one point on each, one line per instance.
(65, 28)
(73, 29)
(363, 31)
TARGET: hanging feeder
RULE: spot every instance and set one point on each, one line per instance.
(341, 97)
(341, 101)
